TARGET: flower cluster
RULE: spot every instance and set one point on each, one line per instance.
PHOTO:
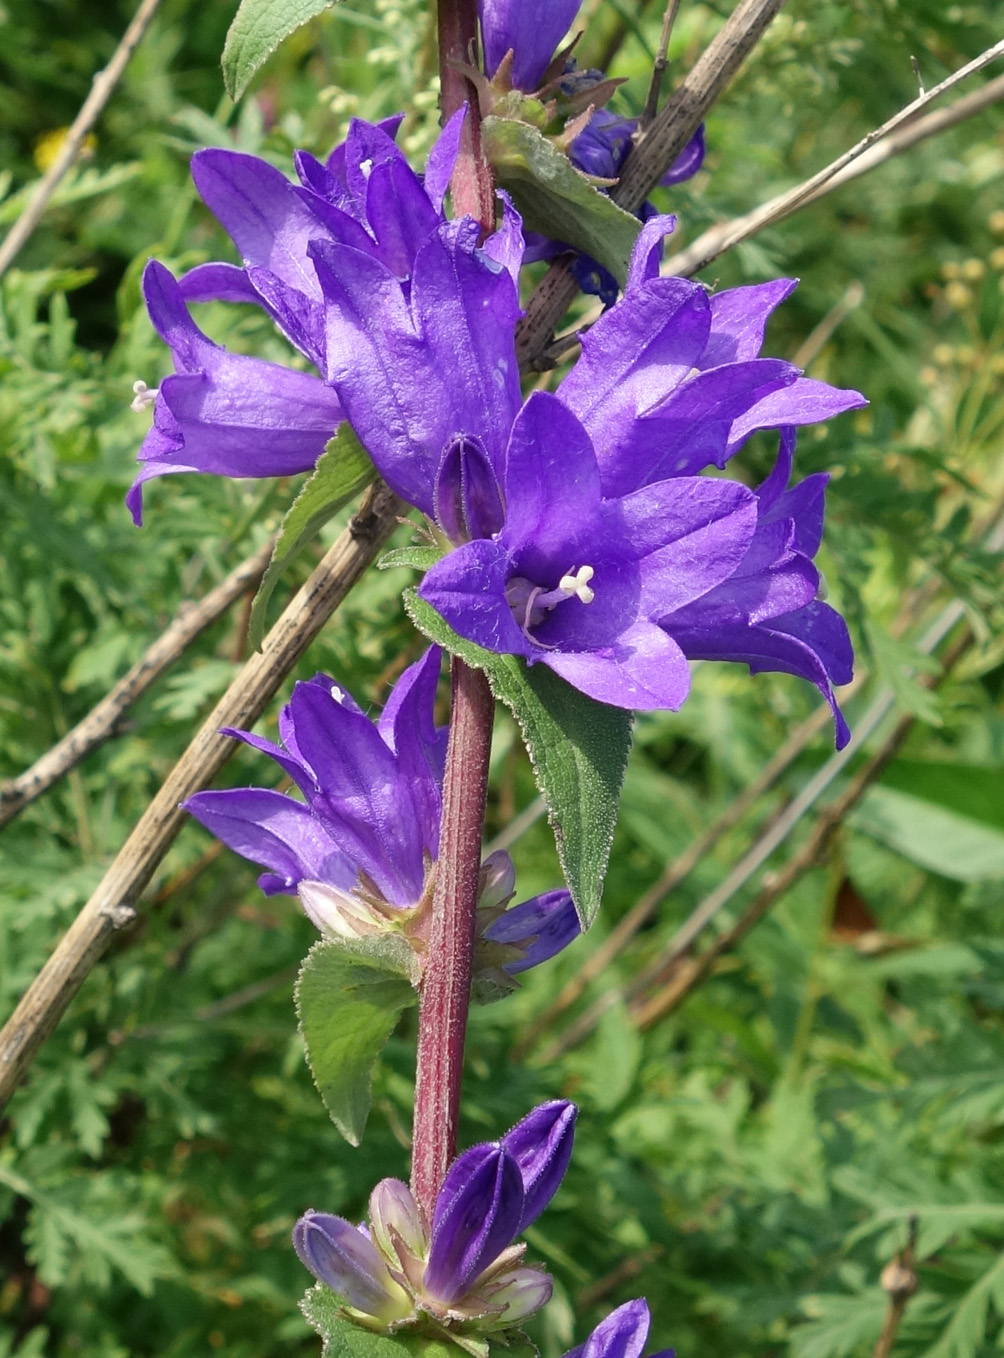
(460, 1271)
(360, 850)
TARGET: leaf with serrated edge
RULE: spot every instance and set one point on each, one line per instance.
(342, 471)
(258, 28)
(555, 198)
(343, 1339)
(418, 558)
(348, 999)
(577, 746)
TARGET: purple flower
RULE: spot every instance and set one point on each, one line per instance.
(223, 412)
(465, 1268)
(769, 614)
(576, 580)
(360, 850)
(238, 416)
(621, 1335)
(670, 380)
(530, 31)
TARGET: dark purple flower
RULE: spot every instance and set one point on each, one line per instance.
(427, 371)
(466, 1268)
(373, 794)
(531, 31)
(621, 1335)
(575, 579)
(223, 412)
(768, 615)
(239, 416)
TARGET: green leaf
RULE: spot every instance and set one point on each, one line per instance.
(348, 998)
(942, 841)
(418, 558)
(557, 199)
(342, 471)
(577, 746)
(258, 28)
(342, 1339)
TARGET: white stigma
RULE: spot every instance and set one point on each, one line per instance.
(143, 396)
(577, 584)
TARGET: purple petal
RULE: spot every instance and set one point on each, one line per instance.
(647, 250)
(635, 355)
(552, 490)
(336, 161)
(217, 283)
(506, 245)
(688, 162)
(506, 25)
(275, 832)
(543, 926)
(363, 802)
(738, 319)
(258, 207)
(541, 1145)
(639, 672)
(477, 1214)
(467, 588)
(805, 401)
(407, 725)
(399, 214)
(622, 1334)
(289, 763)
(443, 157)
(341, 1257)
(468, 497)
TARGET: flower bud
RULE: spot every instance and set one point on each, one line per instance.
(337, 912)
(541, 1145)
(621, 1335)
(340, 1256)
(396, 1224)
(478, 1211)
(468, 499)
(524, 1291)
(498, 880)
(540, 927)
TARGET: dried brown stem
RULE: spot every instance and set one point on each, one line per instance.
(899, 1280)
(114, 903)
(651, 157)
(101, 722)
(899, 134)
(680, 974)
(659, 68)
(101, 91)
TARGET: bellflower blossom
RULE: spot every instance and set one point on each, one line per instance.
(239, 416)
(461, 1272)
(360, 851)
(621, 1335)
(530, 32)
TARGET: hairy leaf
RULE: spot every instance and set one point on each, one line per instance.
(258, 28)
(577, 746)
(349, 998)
(342, 471)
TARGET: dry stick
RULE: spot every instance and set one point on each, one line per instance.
(683, 975)
(899, 1280)
(113, 904)
(659, 69)
(878, 146)
(100, 723)
(101, 90)
(651, 158)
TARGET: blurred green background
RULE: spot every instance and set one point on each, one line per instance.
(749, 1162)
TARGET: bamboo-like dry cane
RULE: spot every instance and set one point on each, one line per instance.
(114, 904)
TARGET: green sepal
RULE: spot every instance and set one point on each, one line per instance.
(417, 558)
(555, 198)
(258, 28)
(578, 748)
(349, 996)
(342, 471)
(344, 1339)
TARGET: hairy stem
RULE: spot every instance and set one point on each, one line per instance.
(473, 183)
(446, 988)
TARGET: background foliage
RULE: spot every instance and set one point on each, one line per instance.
(753, 1158)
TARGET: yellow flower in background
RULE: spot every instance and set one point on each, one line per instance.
(49, 145)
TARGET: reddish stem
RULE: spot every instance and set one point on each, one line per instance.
(473, 183)
(446, 987)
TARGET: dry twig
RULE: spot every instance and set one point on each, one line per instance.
(90, 110)
(101, 722)
(899, 1280)
(113, 905)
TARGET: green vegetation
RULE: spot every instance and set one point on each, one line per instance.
(755, 1155)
